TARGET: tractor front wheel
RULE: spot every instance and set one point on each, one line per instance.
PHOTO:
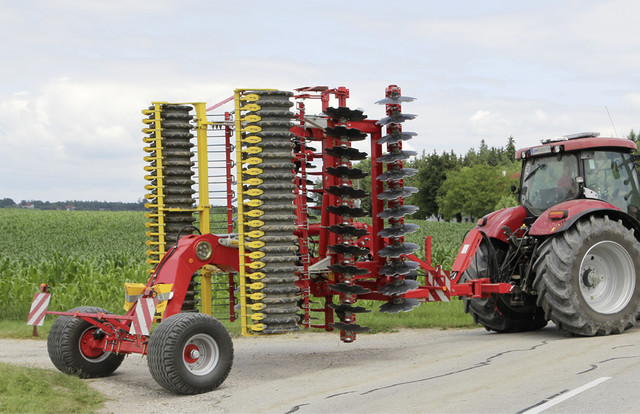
(588, 278)
(190, 353)
(495, 312)
(74, 347)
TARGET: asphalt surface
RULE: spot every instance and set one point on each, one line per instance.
(439, 371)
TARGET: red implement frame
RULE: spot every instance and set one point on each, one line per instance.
(439, 285)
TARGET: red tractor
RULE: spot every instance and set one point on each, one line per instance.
(570, 249)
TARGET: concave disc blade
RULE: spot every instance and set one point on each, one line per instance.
(397, 174)
(351, 327)
(396, 250)
(402, 305)
(396, 137)
(349, 289)
(398, 287)
(346, 308)
(397, 212)
(398, 230)
(395, 119)
(346, 230)
(398, 268)
(345, 134)
(347, 211)
(352, 250)
(395, 100)
(346, 172)
(396, 193)
(342, 112)
(396, 156)
(346, 191)
(349, 153)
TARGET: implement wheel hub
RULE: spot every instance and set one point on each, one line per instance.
(88, 345)
(191, 354)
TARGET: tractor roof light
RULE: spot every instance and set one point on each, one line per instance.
(204, 251)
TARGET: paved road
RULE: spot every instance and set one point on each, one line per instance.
(453, 371)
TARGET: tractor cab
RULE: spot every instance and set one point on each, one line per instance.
(577, 167)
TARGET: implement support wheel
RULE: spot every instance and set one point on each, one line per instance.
(73, 346)
(190, 353)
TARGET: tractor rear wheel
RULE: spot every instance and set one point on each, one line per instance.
(190, 353)
(72, 347)
(588, 278)
(494, 312)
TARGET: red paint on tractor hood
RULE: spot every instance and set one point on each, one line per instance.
(544, 226)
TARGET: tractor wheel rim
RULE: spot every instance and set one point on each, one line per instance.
(607, 277)
(200, 354)
(88, 348)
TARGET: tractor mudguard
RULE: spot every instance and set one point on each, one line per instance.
(493, 224)
(562, 216)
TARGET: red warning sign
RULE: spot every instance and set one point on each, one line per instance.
(143, 316)
(38, 309)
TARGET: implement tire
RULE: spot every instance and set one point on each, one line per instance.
(69, 347)
(588, 278)
(190, 353)
(494, 312)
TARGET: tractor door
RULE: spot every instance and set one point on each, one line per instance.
(547, 181)
(612, 175)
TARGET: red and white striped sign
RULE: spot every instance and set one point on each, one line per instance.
(439, 294)
(38, 309)
(143, 316)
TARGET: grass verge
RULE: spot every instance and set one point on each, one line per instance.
(429, 315)
(47, 391)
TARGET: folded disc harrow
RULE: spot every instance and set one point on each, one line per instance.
(299, 207)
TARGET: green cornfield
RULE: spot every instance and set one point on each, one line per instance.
(87, 256)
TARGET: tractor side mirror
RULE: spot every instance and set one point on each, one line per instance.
(580, 182)
(614, 170)
(514, 190)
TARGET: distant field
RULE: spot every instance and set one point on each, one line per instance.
(87, 256)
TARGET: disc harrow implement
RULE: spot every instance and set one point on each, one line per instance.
(292, 253)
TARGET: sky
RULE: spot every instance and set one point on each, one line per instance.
(75, 74)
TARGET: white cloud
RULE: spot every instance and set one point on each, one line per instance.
(478, 116)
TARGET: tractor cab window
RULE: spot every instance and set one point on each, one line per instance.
(611, 175)
(547, 181)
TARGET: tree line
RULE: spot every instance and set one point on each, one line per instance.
(73, 205)
(469, 185)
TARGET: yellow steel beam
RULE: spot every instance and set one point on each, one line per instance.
(204, 204)
(237, 94)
